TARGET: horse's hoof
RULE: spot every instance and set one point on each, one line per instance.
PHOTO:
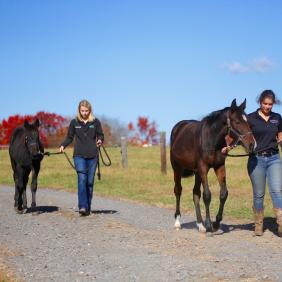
(19, 211)
(201, 227)
(177, 224)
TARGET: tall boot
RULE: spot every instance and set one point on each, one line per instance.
(278, 213)
(259, 215)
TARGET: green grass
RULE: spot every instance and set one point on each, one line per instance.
(143, 181)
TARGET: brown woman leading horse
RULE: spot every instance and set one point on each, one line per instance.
(196, 147)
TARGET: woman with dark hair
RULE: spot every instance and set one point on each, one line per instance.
(88, 135)
(265, 163)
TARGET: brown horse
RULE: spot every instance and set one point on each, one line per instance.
(196, 147)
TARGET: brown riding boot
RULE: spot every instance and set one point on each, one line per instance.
(278, 213)
(258, 222)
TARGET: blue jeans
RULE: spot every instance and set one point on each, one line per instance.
(86, 169)
(260, 168)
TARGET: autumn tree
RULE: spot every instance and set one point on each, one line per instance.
(144, 133)
(50, 123)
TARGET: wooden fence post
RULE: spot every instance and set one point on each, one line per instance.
(123, 152)
(163, 152)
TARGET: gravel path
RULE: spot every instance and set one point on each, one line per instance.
(124, 241)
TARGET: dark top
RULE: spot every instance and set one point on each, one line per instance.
(85, 135)
(265, 132)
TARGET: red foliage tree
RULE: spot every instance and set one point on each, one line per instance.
(146, 133)
(50, 123)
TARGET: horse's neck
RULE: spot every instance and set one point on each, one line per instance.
(20, 153)
(213, 138)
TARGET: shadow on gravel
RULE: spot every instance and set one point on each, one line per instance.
(42, 209)
(103, 211)
(269, 224)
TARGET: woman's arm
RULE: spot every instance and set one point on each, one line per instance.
(99, 134)
(69, 137)
(279, 139)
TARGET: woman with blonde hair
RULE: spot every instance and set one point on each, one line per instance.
(86, 130)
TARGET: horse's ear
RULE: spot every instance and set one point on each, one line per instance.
(26, 123)
(233, 105)
(37, 123)
(243, 105)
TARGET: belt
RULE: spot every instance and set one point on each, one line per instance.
(267, 153)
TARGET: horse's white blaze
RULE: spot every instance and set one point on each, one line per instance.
(177, 223)
(244, 117)
(201, 227)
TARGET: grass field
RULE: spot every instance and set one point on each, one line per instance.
(143, 181)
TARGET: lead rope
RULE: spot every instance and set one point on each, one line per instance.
(99, 153)
(103, 161)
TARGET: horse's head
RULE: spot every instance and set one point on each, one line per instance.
(239, 131)
(32, 141)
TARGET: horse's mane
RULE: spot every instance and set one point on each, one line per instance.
(17, 133)
(214, 117)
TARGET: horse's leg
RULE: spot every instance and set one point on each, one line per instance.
(16, 196)
(203, 172)
(177, 192)
(196, 199)
(25, 181)
(19, 189)
(220, 173)
(33, 186)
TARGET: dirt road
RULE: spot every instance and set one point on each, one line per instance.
(124, 241)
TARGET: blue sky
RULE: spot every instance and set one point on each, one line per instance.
(167, 60)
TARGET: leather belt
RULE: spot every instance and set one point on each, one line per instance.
(267, 153)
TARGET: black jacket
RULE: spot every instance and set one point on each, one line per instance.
(85, 136)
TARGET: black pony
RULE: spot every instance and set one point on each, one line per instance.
(196, 147)
(26, 152)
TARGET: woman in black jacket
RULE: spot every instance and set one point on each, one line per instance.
(86, 130)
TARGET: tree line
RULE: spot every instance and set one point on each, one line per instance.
(53, 128)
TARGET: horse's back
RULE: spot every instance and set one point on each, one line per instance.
(183, 152)
(185, 129)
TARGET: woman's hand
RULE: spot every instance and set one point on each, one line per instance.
(61, 149)
(225, 150)
(99, 142)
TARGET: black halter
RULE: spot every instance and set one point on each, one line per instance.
(239, 136)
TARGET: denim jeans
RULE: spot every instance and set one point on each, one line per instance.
(86, 169)
(260, 168)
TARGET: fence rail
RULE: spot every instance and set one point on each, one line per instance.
(4, 147)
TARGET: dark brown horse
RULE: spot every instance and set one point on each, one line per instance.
(26, 152)
(196, 147)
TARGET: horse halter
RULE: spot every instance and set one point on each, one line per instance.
(29, 143)
(239, 136)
